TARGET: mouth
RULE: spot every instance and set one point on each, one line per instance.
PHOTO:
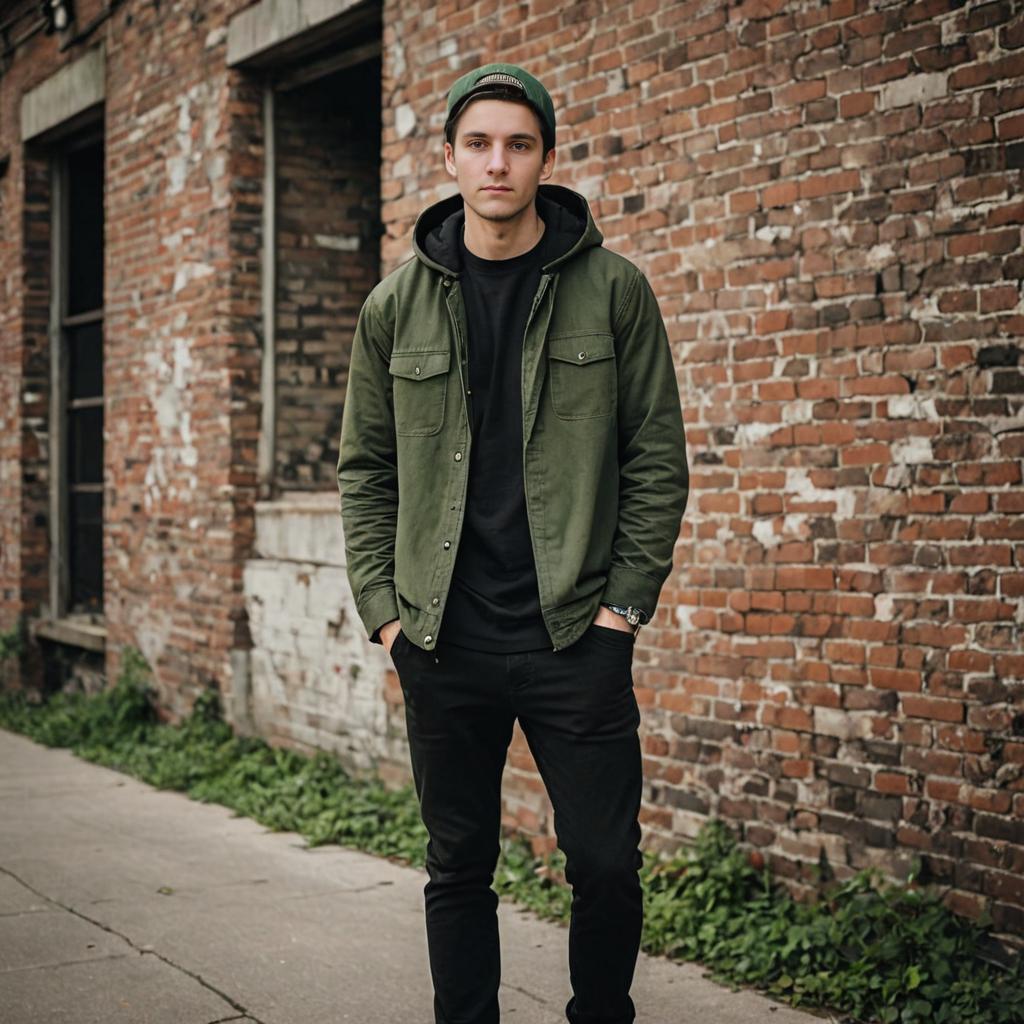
(496, 188)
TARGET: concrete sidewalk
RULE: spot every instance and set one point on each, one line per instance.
(124, 904)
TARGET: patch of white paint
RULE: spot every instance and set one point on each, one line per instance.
(833, 722)
(880, 255)
(798, 411)
(188, 271)
(913, 450)
(405, 120)
(182, 363)
(764, 533)
(754, 433)
(799, 486)
(342, 243)
(897, 477)
(914, 406)
(177, 171)
(912, 89)
(771, 232)
(793, 525)
(216, 165)
(397, 54)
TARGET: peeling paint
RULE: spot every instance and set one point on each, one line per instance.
(799, 485)
(913, 406)
(188, 271)
(341, 243)
(405, 120)
(912, 450)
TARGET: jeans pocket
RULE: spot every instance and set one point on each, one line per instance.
(396, 644)
(611, 635)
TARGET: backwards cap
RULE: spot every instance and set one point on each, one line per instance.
(502, 81)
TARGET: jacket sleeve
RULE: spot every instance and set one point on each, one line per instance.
(368, 474)
(654, 477)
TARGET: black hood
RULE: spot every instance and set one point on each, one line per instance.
(435, 238)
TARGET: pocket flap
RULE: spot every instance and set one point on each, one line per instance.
(419, 365)
(581, 348)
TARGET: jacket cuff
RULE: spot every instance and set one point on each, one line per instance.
(377, 608)
(627, 587)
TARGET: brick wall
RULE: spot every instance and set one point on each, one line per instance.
(328, 184)
(826, 198)
(181, 301)
(24, 344)
(178, 504)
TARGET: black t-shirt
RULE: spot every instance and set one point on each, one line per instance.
(493, 603)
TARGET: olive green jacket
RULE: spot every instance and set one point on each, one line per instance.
(604, 454)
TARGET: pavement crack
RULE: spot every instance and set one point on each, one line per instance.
(332, 892)
(57, 964)
(525, 992)
(142, 951)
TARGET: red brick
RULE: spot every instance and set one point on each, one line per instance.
(852, 537)
(918, 706)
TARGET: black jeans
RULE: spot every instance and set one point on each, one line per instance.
(579, 715)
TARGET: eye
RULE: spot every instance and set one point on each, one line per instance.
(474, 143)
(519, 145)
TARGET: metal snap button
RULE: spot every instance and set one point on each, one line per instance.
(417, 370)
(427, 639)
(435, 601)
(458, 456)
(447, 544)
(582, 355)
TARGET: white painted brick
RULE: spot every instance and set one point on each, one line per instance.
(914, 89)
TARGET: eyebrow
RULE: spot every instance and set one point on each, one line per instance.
(484, 135)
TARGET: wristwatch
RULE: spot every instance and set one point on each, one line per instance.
(634, 616)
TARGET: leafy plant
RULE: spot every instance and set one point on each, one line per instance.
(12, 643)
(873, 950)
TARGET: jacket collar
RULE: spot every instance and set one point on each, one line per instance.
(436, 232)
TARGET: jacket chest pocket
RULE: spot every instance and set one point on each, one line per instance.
(419, 384)
(582, 371)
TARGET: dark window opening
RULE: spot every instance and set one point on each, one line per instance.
(83, 339)
(328, 256)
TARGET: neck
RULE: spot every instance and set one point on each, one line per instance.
(502, 240)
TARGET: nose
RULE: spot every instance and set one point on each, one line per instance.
(497, 162)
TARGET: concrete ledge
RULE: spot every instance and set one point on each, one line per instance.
(74, 632)
(301, 527)
(283, 28)
(64, 95)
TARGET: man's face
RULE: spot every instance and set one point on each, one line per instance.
(498, 158)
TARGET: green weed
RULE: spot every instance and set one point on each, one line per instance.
(870, 949)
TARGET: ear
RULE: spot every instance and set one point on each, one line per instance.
(549, 164)
(449, 159)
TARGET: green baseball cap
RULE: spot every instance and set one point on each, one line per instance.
(502, 81)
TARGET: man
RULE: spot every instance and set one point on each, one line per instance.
(513, 473)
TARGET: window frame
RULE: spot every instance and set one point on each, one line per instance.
(60, 384)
